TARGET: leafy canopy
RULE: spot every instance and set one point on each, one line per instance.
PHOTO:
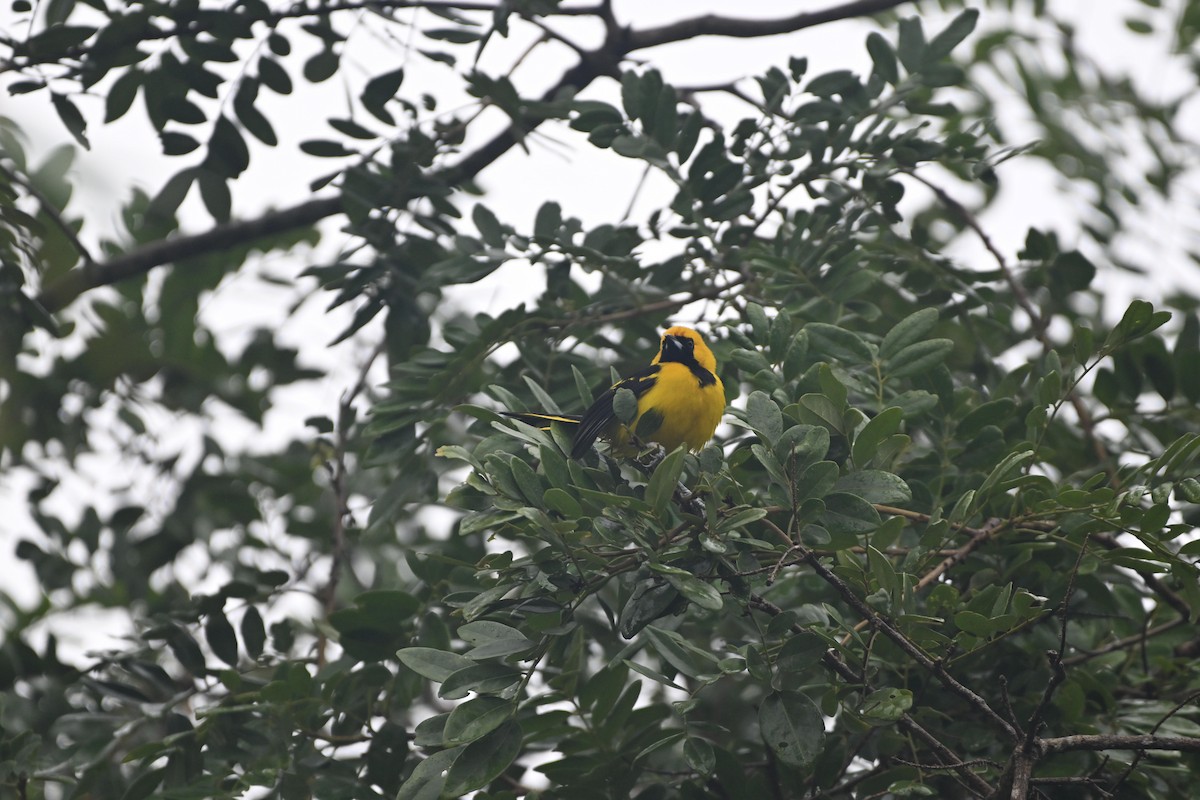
(943, 547)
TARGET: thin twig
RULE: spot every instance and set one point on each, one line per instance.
(1103, 741)
(1152, 583)
(833, 662)
(339, 483)
(960, 555)
(1191, 698)
(51, 212)
(1084, 414)
(935, 668)
(1121, 644)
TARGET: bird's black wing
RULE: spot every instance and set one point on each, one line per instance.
(600, 415)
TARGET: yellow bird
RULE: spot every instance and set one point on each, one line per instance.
(680, 400)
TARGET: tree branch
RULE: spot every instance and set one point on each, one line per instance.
(53, 213)
(716, 25)
(978, 538)
(1063, 744)
(935, 668)
(1121, 644)
(65, 290)
(603, 61)
(835, 664)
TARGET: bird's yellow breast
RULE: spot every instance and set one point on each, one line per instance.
(689, 412)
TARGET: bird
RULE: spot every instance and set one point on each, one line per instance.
(680, 400)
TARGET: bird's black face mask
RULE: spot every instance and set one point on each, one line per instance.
(679, 349)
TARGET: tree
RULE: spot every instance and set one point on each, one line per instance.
(945, 546)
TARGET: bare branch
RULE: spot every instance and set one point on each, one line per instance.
(1063, 744)
(1039, 323)
(1133, 764)
(737, 27)
(973, 782)
(978, 539)
(66, 289)
(53, 213)
(835, 664)
(1121, 644)
(935, 668)
(339, 482)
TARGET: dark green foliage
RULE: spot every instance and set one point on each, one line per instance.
(951, 522)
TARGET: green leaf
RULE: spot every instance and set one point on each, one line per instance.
(215, 194)
(958, 29)
(875, 486)
(792, 727)
(625, 405)
(274, 76)
(254, 634)
(990, 413)
(877, 429)
(653, 675)
(548, 220)
(1002, 471)
(121, 95)
(485, 678)
(699, 755)
(817, 409)
(886, 706)
(909, 330)
(883, 57)
(227, 152)
(1139, 319)
(490, 229)
(918, 358)
(698, 591)
(71, 118)
(432, 664)
(563, 502)
(799, 654)
(177, 144)
(221, 638)
(837, 343)
(680, 653)
(325, 148)
(849, 514)
(974, 623)
(661, 486)
(816, 481)
(429, 778)
(484, 760)
(380, 90)
(829, 84)
(912, 49)
(249, 115)
(764, 417)
(476, 718)
(322, 66)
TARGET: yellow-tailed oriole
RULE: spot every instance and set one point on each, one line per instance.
(680, 400)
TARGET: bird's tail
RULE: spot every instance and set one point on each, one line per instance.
(540, 420)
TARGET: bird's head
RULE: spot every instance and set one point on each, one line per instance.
(685, 346)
